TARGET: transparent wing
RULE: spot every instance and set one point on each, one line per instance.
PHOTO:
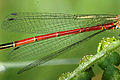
(42, 51)
(45, 23)
(42, 48)
(55, 54)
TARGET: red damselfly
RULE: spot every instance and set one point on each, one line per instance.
(59, 28)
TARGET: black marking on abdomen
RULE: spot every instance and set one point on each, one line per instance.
(7, 45)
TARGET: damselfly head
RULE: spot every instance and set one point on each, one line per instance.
(118, 25)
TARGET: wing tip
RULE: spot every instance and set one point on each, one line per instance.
(20, 71)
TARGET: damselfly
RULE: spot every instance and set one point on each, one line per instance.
(64, 29)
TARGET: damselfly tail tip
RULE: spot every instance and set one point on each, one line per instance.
(7, 45)
(19, 72)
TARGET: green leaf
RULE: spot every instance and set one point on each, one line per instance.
(111, 73)
(86, 75)
(112, 59)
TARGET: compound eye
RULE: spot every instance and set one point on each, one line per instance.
(117, 27)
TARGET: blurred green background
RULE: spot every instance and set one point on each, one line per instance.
(54, 6)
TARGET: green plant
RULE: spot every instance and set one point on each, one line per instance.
(106, 58)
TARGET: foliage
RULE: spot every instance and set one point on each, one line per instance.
(106, 58)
